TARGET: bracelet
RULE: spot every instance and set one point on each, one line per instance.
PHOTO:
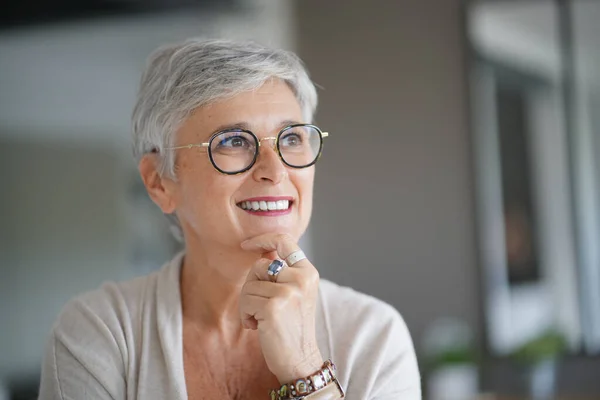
(306, 386)
(332, 391)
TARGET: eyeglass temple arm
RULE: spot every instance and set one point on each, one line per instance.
(188, 146)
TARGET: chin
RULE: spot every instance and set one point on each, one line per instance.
(292, 230)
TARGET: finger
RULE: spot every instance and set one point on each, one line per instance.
(269, 290)
(258, 272)
(261, 288)
(271, 255)
(252, 310)
(297, 276)
(282, 244)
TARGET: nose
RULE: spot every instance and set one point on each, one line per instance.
(269, 166)
(273, 140)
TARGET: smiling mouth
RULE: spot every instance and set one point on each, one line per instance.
(266, 206)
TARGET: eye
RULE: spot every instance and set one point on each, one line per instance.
(291, 139)
(234, 141)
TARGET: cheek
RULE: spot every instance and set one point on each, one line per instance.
(205, 204)
(188, 160)
(202, 188)
(304, 181)
(204, 193)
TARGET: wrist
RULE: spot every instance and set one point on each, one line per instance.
(321, 384)
(303, 369)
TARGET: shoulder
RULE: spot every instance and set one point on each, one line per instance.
(100, 337)
(110, 306)
(92, 343)
(110, 318)
(117, 304)
(370, 343)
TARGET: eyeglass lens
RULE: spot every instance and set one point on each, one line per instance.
(235, 151)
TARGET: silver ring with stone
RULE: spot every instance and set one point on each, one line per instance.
(295, 257)
(274, 269)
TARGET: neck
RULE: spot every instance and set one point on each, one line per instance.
(212, 277)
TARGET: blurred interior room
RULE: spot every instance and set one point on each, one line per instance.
(462, 184)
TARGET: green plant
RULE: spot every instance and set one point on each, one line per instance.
(546, 346)
(452, 356)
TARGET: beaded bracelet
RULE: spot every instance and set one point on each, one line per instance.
(305, 386)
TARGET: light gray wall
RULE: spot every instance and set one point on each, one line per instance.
(393, 205)
(62, 234)
(595, 105)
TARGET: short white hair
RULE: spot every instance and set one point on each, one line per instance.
(184, 76)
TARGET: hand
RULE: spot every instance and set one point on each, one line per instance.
(283, 312)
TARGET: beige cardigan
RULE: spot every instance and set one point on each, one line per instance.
(124, 341)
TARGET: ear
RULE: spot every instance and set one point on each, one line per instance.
(160, 189)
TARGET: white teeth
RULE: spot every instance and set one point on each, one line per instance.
(265, 205)
(283, 204)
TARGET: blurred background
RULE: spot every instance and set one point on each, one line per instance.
(461, 183)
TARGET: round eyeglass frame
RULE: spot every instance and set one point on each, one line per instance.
(208, 146)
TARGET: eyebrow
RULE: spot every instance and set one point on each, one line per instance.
(246, 126)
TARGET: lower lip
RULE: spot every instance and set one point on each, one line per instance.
(274, 213)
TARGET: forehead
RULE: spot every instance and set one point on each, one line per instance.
(268, 108)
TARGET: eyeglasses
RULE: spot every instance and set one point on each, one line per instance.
(234, 151)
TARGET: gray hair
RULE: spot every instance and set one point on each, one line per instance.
(182, 77)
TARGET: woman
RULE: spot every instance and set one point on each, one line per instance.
(222, 136)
